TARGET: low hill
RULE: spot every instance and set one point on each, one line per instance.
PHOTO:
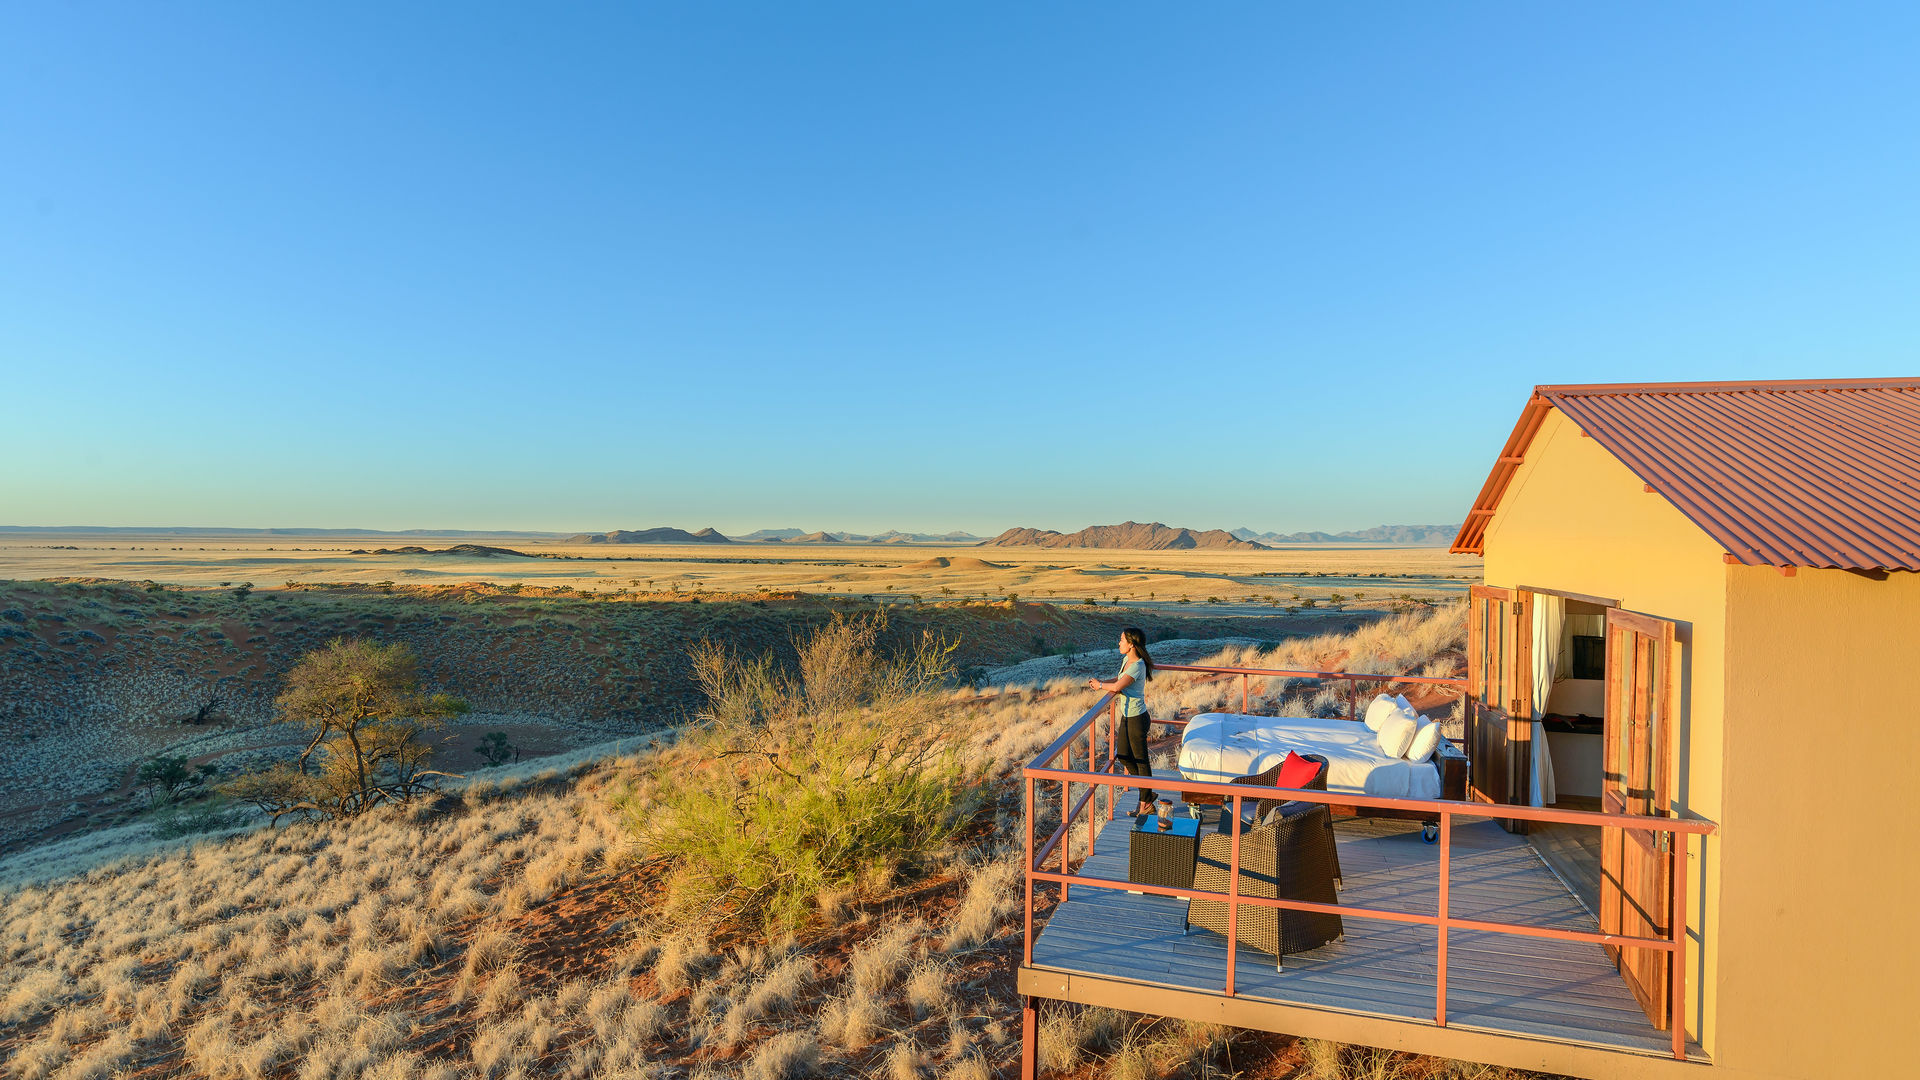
(813, 538)
(467, 551)
(1131, 535)
(651, 536)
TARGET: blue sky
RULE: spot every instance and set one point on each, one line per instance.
(918, 266)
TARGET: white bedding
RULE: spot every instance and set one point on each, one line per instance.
(1222, 746)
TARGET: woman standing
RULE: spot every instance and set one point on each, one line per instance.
(1136, 667)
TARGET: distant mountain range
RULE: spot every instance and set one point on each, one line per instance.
(1149, 537)
(114, 530)
(1131, 535)
(1419, 535)
(768, 536)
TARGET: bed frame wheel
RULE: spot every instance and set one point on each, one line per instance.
(1430, 832)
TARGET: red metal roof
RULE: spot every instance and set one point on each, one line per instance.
(1815, 473)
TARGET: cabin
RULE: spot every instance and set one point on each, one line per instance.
(1698, 606)
(1705, 598)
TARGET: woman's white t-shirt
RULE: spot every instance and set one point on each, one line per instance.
(1133, 700)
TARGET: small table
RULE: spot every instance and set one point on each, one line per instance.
(1164, 858)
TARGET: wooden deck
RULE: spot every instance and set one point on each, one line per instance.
(1499, 983)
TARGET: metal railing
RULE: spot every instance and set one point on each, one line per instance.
(1098, 776)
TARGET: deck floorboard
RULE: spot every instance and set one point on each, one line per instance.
(1534, 987)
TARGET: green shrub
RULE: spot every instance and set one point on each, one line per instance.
(810, 782)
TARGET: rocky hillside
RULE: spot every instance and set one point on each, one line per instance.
(1131, 535)
(95, 677)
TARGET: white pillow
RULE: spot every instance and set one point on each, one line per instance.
(1406, 706)
(1396, 734)
(1382, 707)
(1425, 741)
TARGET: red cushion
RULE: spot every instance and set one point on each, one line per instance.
(1296, 771)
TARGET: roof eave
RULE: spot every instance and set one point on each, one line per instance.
(1472, 538)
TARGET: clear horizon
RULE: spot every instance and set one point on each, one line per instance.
(883, 267)
(730, 533)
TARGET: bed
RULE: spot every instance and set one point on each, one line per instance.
(1219, 747)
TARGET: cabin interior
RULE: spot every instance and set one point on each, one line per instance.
(1574, 721)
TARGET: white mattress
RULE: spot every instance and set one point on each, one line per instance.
(1222, 746)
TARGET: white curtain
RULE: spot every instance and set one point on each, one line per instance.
(1549, 617)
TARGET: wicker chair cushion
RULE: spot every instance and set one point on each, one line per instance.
(1289, 856)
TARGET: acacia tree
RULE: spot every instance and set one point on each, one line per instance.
(363, 703)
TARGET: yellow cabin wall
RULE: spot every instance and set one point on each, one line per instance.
(1819, 949)
(1574, 519)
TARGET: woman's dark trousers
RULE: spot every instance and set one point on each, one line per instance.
(1131, 748)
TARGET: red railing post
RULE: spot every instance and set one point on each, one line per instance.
(1350, 713)
(1113, 755)
(1093, 805)
(1243, 693)
(1440, 960)
(1233, 891)
(1027, 935)
(1066, 830)
(1678, 929)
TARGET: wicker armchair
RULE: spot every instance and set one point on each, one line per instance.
(1288, 856)
(1261, 806)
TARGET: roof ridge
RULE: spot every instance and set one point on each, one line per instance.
(1753, 386)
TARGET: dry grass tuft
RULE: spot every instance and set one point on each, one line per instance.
(993, 893)
(877, 963)
(1067, 1033)
(852, 1020)
(785, 1056)
(905, 1061)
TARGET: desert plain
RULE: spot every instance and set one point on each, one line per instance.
(1356, 576)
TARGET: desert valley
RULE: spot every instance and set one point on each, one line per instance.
(558, 952)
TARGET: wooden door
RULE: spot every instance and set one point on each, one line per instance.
(1636, 894)
(1500, 696)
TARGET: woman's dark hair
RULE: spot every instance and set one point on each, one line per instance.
(1137, 638)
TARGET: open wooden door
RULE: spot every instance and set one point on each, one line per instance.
(1499, 696)
(1636, 894)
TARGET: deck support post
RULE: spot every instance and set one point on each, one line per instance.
(1243, 695)
(1029, 1038)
